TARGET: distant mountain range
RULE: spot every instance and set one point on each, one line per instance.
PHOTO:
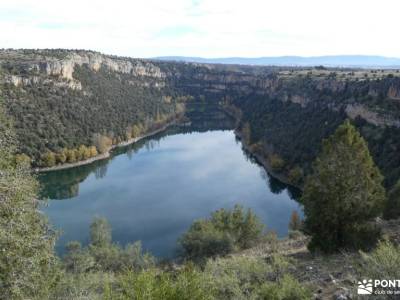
(363, 61)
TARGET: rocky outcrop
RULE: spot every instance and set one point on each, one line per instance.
(17, 80)
(57, 67)
(332, 85)
(357, 110)
(299, 99)
(394, 92)
(21, 81)
(62, 68)
(95, 61)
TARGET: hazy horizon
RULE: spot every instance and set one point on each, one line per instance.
(204, 28)
(205, 57)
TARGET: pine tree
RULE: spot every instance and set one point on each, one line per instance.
(28, 266)
(392, 209)
(344, 192)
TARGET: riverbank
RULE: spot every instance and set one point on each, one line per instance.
(107, 154)
(264, 162)
(260, 158)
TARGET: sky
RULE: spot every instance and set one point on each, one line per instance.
(205, 28)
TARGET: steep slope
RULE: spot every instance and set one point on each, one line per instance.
(64, 98)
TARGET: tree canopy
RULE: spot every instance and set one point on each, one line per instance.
(343, 193)
(28, 265)
(392, 209)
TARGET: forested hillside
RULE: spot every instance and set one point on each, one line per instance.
(69, 105)
(288, 124)
(56, 112)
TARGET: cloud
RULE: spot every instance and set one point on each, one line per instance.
(206, 28)
(175, 31)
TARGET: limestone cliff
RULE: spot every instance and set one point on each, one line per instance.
(357, 110)
(61, 98)
(34, 66)
(394, 92)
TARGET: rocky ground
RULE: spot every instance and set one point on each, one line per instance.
(330, 276)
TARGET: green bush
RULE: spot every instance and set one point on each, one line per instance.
(241, 277)
(77, 260)
(224, 232)
(89, 285)
(279, 266)
(237, 277)
(204, 240)
(132, 256)
(187, 284)
(100, 232)
(382, 263)
(106, 257)
(102, 255)
(287, 288)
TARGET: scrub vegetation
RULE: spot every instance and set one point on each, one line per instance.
(296, 121)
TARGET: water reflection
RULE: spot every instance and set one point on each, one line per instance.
(153, 190)
(64, 184)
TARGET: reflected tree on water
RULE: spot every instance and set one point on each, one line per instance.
(101, 171)
(275, 185)
(294, 193)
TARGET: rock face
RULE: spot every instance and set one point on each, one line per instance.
(299, 100)
(357, 110)
(35, 67)
(95, 61)
(394, 92)
(20, 81)
(62, 68)
(68, 96)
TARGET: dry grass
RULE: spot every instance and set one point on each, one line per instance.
(341, 74)
(330, 275)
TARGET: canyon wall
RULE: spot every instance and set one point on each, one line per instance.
(61, 98)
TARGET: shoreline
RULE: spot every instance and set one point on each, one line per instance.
(104, 155)
(259, 158)
(264, 163)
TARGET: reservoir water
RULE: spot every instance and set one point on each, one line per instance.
(153, 190)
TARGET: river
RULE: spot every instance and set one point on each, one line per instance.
(153, 190)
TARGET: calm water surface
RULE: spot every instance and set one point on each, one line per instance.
(152, 191)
